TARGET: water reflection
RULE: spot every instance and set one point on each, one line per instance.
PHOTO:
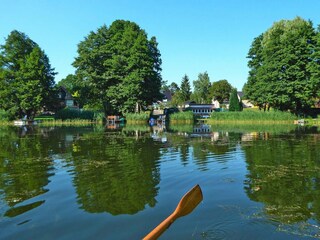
(117, 171)
(24, 165)
(283, 173)
(115, 174)
(27, 163)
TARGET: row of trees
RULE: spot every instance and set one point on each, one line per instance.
(284, 65)
(118, 69)
(204, 91)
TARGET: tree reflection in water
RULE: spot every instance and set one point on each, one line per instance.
(284, 174)
(116, 174)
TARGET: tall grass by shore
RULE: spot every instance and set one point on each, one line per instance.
(247, 128)
(182, 117)
(253, 116)
(68, 122)
(137, 117)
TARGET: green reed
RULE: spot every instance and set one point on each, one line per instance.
(137, 117)
(250, 116)
(179, 117)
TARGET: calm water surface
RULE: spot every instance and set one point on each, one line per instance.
(98, 183)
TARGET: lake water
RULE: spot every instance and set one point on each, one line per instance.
(96, 183)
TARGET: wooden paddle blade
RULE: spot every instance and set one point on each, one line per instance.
(189, 201)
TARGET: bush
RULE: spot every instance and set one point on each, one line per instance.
(4, 116)
(70, 114)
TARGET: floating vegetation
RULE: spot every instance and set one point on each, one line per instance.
(263, 215)
(301, 229)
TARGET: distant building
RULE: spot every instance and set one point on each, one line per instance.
(216, 103)
(245, 103)
(65, 98)
(202, 110)
(167, 96)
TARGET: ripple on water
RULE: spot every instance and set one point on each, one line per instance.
(220, 230)
(302, 229)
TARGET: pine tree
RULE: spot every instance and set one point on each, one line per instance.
(234, 103)
(185, 89)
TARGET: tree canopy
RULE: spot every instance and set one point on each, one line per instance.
(201, 88)
(26, 76)
(220, 90)
(120, 66)
(284, 66)
(183, 93)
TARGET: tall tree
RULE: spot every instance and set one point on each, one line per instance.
(185, 88)
(314, 66)
(220, 90)
(234, 102)
(202, 87)
(280, 65)
(26, 76)
(120, 66)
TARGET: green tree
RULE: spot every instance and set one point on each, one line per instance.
(202, 87)
(284, 67)
(220, 90)
(174, 87)
(120, 67)
(69, 82)
(254, 89)
(26, 76)
(178, 98)
(314, 66)
(185, 88)
(234, 103)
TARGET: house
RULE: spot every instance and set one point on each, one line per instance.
(245, 103)
(167, 96)
(65, 98)
(186, 104)
(202, 110)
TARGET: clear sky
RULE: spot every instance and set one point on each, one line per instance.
(194, 35)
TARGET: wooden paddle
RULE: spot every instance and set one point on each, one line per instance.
(186, 205)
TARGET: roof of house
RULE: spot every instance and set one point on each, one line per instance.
(167, 95)
(240, 94)
(68, 95)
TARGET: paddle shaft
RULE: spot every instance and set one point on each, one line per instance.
(155, 233)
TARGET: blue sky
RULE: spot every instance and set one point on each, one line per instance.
(194, 35)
